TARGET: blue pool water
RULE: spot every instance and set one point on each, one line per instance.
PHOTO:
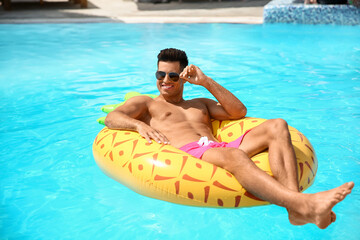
(55, 78)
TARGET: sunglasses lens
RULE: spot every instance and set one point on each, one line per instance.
(174, 76)
(160, 75)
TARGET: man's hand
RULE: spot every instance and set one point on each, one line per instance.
(194, 75)
(149, 133)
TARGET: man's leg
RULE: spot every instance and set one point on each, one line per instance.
(307, 208)
(273, 135)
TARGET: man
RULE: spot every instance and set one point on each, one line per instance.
(185, 124)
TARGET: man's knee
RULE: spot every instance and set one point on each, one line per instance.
(278, 128)
(279, 123)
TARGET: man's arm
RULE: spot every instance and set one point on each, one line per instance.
(131, 116)
(229, 106)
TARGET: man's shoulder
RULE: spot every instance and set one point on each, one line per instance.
(140, 99)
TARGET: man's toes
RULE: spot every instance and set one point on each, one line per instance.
(351, 185)
(348, 187)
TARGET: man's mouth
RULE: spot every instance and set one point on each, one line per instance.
(167, 86)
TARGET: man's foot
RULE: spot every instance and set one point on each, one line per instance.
(319, 207)
(297, 219)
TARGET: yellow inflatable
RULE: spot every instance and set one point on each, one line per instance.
(167, 173)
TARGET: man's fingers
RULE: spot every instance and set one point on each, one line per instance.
(157, 137)
(146, 136)
(189, 73)
(150, 134)
(160, 138)
(153, 136)
(163, 138)
(184, 73)
(192, 69)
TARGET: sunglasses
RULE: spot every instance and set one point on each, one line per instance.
(160, 75)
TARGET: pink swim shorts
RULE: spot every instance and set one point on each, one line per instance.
(197, 149)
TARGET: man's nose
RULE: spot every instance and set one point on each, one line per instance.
(167, 78)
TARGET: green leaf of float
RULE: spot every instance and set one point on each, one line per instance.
(101, 120)
(112, 107)
(131, 94)
(134, 94)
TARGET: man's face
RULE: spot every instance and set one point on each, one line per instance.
(166, 85)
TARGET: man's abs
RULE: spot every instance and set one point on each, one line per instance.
(182, 133)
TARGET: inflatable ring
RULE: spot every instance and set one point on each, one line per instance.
(167, 173)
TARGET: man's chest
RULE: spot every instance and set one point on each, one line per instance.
(189, 111)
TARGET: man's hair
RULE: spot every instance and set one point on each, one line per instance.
(173, 55)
